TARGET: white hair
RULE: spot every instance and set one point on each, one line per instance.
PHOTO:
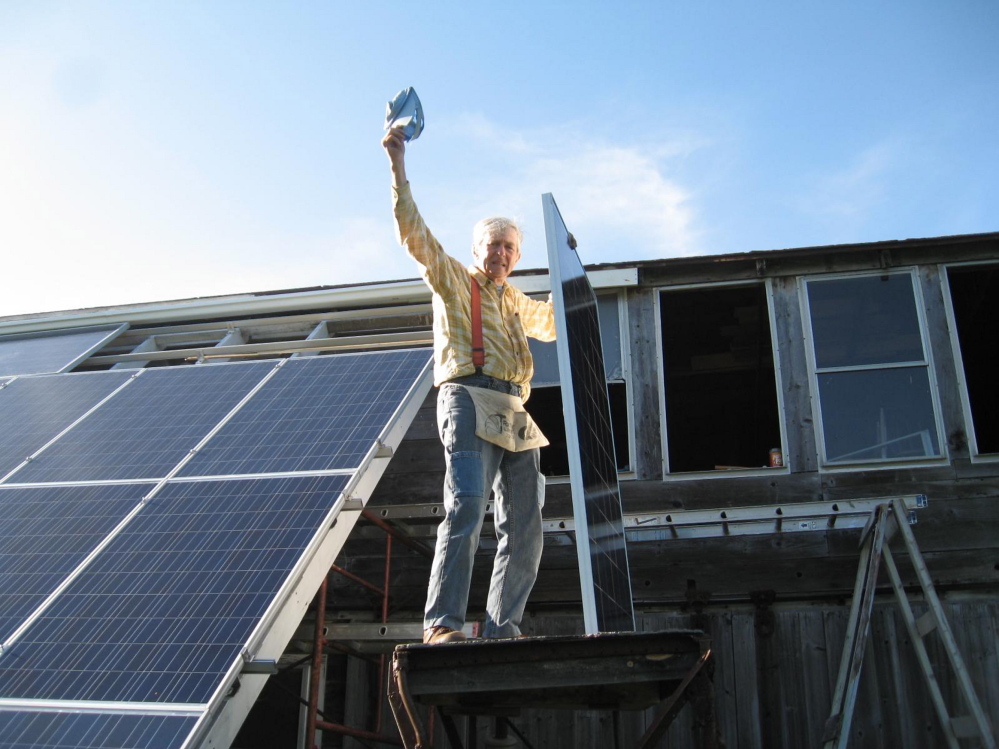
(488, 227)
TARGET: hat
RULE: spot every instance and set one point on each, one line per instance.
(406, 112)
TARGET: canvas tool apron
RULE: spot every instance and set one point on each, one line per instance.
(500, 418)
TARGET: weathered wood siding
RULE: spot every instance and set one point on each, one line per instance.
(774, 675)
(775, 665)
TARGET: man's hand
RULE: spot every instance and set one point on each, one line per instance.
(394, 144)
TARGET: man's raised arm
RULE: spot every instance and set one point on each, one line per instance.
(394, 144)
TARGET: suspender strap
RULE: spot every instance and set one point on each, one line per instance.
(478, 352)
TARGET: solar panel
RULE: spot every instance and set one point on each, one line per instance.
(147, 632)
(145, 430)
(33, 410)
(46, 533)
(596, 497)
(163, 612)
(40, 353)
(317, 413)
(24, 729)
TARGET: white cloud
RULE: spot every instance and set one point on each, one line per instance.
(620, 200)
(364, 250)
(859, 187)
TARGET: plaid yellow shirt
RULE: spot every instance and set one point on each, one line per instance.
(508, 315)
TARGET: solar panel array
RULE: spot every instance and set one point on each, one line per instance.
(160, 526)
(596, 496)
(51, 352)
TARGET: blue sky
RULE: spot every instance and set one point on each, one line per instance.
(166, 150)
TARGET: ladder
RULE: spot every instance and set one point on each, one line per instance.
(885, 521)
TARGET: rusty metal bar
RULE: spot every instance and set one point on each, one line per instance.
(385, 605)
(384, 592)
(317, 666)
(357, 733)
(397, 534)
(387, 584)
(357, 579)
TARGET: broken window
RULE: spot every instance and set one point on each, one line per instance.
(974, 296)
(871, 370)
(720, 383)
(545, 403)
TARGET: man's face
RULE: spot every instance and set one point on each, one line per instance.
(497, 254)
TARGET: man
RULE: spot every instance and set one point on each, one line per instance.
(476, 465)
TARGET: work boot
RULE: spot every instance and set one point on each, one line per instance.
(441, 635)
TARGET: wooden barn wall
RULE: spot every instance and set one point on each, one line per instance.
(774, 675)
(958, 532)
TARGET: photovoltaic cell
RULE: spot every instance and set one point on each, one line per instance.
(596, 497)
(46, 533)
(148, 427)
(33, 410)
(22, 729)
(40, 354)
(164, 610)
(316, 413)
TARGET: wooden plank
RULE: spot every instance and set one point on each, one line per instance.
(720, 490)
(944, 367)
(646, 382)
(417, 472)
(957, 539)
(726, 693)
(835, 259)
(357, 709)
(974, 629)
(798, 419)
(745, 722)
(883, 664)
(816, 694)
(792, 679)
(772, 699)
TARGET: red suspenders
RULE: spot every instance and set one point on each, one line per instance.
(478, 352)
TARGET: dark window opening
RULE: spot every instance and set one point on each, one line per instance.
(974, 292)
(721, 391)
(273, 723)
(545, 407)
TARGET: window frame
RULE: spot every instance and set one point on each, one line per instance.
(768, 291)
(974, 453)
(824, 464)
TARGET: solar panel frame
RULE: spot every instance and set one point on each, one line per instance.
(601, 546)
(60, 360)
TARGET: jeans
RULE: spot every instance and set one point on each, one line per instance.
(474, 466)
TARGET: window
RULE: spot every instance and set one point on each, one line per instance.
(720, 382)
(871, 370)
(974, 298)
(545, 403)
